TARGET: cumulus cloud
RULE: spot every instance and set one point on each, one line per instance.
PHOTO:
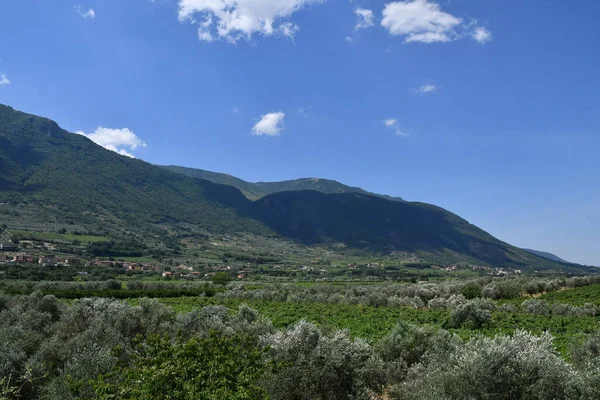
(270, 124)
(419, 21)
(389, 122)
(365, 18)
(427, 88)
(232, 20)
(481, 35)
(117, 140)
(86, 14)
(424, 21)
(392, 123)
(4, 80)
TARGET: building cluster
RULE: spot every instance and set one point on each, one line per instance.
(47, 260)
(496, 271)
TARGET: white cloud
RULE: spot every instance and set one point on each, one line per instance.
(304, 112)
(392, 123)
(270, 124)
(419, 21)
(481, 35)
(424, 21)
(235, 19)
(117, 140)
(389, 122)
(4, 80)
(86, 14)
(348, 39)
(427, 88)
(365, 18)
(235, 110)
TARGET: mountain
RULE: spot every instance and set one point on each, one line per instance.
(51, 177)
(546, 255)
(254, 191)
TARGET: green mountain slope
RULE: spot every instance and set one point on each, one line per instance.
(66, 178)
(45, 164)
(547, 255)
(255, 191)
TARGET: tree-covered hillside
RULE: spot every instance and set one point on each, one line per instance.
(547, 255)
(69, 177)
(257, 190)
(46, 164)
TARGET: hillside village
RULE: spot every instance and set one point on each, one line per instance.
(45, 254)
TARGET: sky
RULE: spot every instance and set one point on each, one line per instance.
(490, 109)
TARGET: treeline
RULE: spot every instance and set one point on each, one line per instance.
(106, 349)
(35, 272)
(110, 289)
(418, 295)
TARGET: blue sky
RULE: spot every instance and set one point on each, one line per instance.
(487, 108)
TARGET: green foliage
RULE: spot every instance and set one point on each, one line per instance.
(471, 290)
(521, 366)
(111, 289)
(503, 289)
(221, 278)
(473, 314)
(317, 366)
(52, 350)
(577, 296)
(56, 237)
(535, 306)
(217, 367)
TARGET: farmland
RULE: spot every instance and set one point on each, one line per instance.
(397, 335)
(372, 323)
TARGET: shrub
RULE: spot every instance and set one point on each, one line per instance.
(318, 366)
(404, 346)
(521, 366)
(471, 290)
(221, 278)
(534, 306)
(473, 314)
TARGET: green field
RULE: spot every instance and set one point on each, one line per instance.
(576, 297)
(373, 323)
(379, 326)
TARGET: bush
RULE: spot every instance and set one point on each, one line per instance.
(471, 290)
(221, 278)
(404, 347)
(534, 306)
(318, 366)
(521, 366)
(473, 314)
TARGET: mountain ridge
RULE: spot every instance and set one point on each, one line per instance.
(256, 190)
(547, 255)
(59, 177)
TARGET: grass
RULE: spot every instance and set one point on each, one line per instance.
(53, 236)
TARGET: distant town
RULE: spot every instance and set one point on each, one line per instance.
(12, 254)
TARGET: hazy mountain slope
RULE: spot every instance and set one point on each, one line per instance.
(257, 190)
(547, 255)
(71, 178)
